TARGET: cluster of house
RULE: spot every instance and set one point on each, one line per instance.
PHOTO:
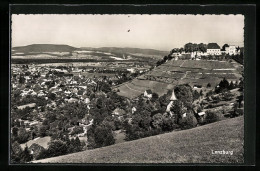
(68, 89)
(74, 88)
(211, 49)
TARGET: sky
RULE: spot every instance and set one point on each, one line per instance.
(161, 32)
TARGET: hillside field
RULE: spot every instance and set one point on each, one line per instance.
(187, 146)
(173, 72)
(136, 87)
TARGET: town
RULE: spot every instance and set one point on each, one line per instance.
(62, 108)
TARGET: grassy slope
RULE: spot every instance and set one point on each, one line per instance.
(188, 146)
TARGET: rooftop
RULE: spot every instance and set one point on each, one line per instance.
(213, 46)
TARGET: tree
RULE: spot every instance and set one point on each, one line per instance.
(77, 144)
(23, 135)
(168, 123)
(241, 84)
(163, 101)
(16, 151)
(102, 136)
(196, 95)
(25, 155)
(184, 94)
(201, 93)
(157, 121)
(213, 116)
(77, 130)
(239, 100)
(105, 87)
(15, 131)
(155, 97)
(43, 130)
(57, 148)
(202, 47)
(178, 109)
(190, 121)
(21, 79)
(52, 96)
(52, 84)
(17, 93)
(224, 47)
(223, 86)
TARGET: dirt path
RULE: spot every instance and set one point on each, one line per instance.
(182, 63)
(133, 89)
(184, 76)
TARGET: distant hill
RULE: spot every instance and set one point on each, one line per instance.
(187, 146)
(44, 48)
(128, 50)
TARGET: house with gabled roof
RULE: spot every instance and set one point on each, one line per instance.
(213, 49)
(148, 93)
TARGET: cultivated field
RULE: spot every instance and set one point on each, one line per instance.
(136, 87)
(174, 72)
(187, 146)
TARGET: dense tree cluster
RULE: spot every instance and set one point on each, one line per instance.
(61, 146)
(151, 117)
(165, 59)
(18, 155)
(224, 85)
(101, 132)
(191, 47)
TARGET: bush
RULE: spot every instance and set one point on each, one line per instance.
(213, 116)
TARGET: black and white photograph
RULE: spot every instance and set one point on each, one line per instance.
(127, 88)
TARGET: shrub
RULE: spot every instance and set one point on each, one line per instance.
(213, 116)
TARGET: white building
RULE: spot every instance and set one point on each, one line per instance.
(213, 49)
(231, 50)
(148, 94)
